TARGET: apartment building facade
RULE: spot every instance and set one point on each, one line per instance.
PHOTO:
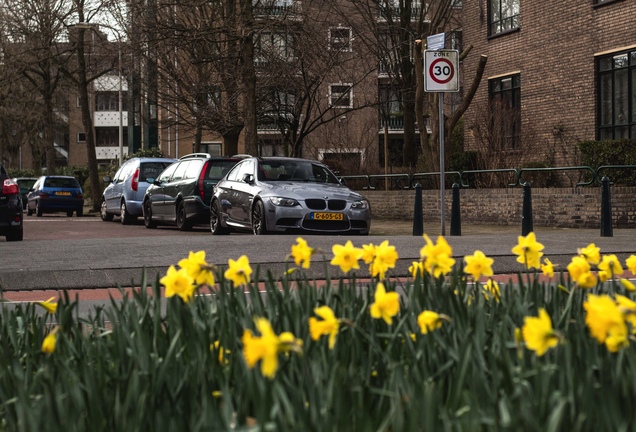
(558, 73)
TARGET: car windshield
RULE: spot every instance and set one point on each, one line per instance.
(26, 184)
(60, 182)
(218, 168)
(151, 170)
(296, 171)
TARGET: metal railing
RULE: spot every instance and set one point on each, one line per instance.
(408, 181)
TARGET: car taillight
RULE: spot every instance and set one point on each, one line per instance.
(200, 183)
(135, 180)
(10, 187)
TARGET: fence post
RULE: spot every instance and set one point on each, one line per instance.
(418, 220)
(606, 209)
(526, 216)
(456, 216)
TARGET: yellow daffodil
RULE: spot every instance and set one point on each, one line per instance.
(266, 347)
(386, 305)
(631, 264)
(50, 342)
(222, 352)
(491, 288)
(429, 321)
(547, 268)
(617, 339)
(437, 257)
(478, 264)
(301, 252)
(587, 280)
(198, 269)
(591, 253)
(538, 333)
(385, 258)
(49, 305)
(578, 266)
(628, 309)
(602, 315)
(178, 282)
(239, 271)
(528, 251)
(328, 325)
(611, 265)
(628, 285)
(417, 267)
(368, 253)
(346, 256)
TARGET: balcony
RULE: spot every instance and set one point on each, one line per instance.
(277, 9)
(393, 12)
(395, 123)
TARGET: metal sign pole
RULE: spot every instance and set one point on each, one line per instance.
(441, 162)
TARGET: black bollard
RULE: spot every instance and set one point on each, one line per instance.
(418, 220)
(526, 217)
(606, 209)
(456, 216)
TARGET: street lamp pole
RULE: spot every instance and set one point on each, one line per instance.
(121, 117)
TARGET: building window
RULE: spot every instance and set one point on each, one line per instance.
(616, 87)
(340, 39)
(81, 137)
(503, 16)
(273, 46)
(107, 101)
(109, 137)
(505, 111)
(341, 96)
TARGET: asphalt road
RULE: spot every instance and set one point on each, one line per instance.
(83, 253)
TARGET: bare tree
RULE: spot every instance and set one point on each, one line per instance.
(35, 49)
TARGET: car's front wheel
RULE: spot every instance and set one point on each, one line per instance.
(148, 222)
(258, 219)
(29, 211)
(215, 220)
(38, 209)
(106, 217)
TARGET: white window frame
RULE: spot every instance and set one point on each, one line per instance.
(331, 95)
(337, 43)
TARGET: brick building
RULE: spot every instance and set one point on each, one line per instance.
(558, 72)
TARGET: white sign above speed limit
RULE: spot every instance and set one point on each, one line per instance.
(441, 70)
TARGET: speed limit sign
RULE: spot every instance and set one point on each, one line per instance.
(441, 70)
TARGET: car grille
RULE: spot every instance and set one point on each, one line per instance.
(320, 204)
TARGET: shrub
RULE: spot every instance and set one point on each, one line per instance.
(618, 152)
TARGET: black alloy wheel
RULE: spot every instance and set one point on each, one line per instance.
(182, 222)
(148, 222)
(258, 219)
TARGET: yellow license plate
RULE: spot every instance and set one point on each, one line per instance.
(63, 193)
(327, 216)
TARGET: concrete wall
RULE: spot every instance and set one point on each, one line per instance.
(552, 207)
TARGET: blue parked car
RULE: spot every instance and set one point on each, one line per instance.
(53, 194)
(125, 191)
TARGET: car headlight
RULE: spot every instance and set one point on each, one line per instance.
(360, 205)
(283, 202)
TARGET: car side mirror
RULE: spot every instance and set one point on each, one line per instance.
(107, 179)
(342, 181)
(248, 178)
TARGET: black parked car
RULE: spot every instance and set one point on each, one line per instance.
(181, 194)
(11, 214)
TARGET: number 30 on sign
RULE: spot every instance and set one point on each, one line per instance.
(441, 70)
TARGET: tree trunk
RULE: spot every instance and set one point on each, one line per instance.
(249, 77)
(87, 122)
